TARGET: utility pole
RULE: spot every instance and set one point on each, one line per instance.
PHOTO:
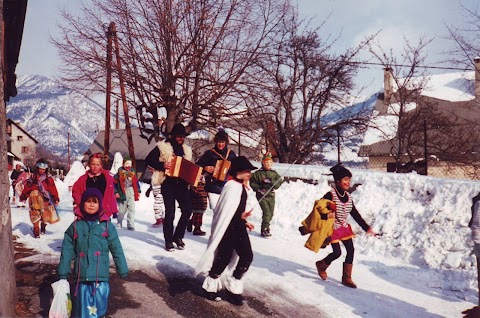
(117, 122)
(106, 142)
(68, 150)
(131, 150)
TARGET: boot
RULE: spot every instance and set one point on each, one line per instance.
(36, 229)
(347, 276)
(190, 226)
(322, 269)
(158, 223)
(43, 228)
(198, 231)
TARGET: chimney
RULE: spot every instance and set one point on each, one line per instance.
(477, 76)
(388, 84)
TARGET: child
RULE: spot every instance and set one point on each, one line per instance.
(127, 191)
(229, 235)
(88, 241)
(341, 229)
(199, 205)
(98, 178)
(42, 197)
(264, 182)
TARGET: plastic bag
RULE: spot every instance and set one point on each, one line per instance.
(61, 304)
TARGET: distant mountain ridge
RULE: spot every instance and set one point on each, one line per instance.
(47, 110)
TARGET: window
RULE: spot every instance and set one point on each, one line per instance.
(24, 149)
(19, 138)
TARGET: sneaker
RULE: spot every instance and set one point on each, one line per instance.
(264, 232)
(268, 232)
(169, 247)
(180, 244)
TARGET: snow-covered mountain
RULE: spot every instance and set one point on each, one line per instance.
(47, 110)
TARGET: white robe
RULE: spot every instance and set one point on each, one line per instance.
(222, 216)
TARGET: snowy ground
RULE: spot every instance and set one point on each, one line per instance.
(421, 265)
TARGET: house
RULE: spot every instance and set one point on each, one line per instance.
(454, 95)
(20, 144)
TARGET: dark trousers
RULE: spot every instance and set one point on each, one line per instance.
(337, 252)
(174, 189)
(233, 240)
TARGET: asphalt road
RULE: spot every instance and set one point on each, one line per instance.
(170, 294)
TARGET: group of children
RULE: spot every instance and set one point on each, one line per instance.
(91, 237)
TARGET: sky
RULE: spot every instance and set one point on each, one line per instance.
(420, 265)
(352, 19)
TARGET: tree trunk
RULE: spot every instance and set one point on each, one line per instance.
(7, 269)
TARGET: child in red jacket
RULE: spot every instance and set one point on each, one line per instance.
(42, 197)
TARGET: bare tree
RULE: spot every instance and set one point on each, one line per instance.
(303, 92)
(182, 59)
(7, 269)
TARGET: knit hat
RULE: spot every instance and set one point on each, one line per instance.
(239, 164)
(178, 130)
(42, 163)
(339, 172)
(88, 193)
(221, 135)
(267, 156)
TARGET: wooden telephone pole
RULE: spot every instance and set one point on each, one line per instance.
(112, 39)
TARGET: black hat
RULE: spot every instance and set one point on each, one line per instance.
(339, 172)
(178, 130)
(240, 163)
(221, 135)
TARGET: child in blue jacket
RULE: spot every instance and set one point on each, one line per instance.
(88, 241)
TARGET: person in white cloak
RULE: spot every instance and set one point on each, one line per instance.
(229, 244)
(117, 163)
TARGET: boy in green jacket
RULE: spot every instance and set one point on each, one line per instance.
(88, 241)
(264, 182)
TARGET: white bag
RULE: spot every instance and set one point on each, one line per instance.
(61, 303)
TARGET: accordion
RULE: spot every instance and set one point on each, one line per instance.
(185, 170)
(221, 170)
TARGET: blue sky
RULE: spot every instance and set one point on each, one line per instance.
(353, 19)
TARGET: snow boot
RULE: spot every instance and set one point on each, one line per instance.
(36, 229)
(322, 269)
(43, 228)
(347, 276)
(198, 231)
(158, 223)
(264, 232)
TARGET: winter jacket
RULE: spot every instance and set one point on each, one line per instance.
(109, 202)
(162, 153)
(210, 158)
(319, 227)
(262, 180)
(119, 180)
(89, 245)
(48, 184)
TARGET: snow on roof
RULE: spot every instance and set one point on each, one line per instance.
(381, 128)
(454, 87)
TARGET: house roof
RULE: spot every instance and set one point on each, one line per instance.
(119, 143)
(9, 121)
